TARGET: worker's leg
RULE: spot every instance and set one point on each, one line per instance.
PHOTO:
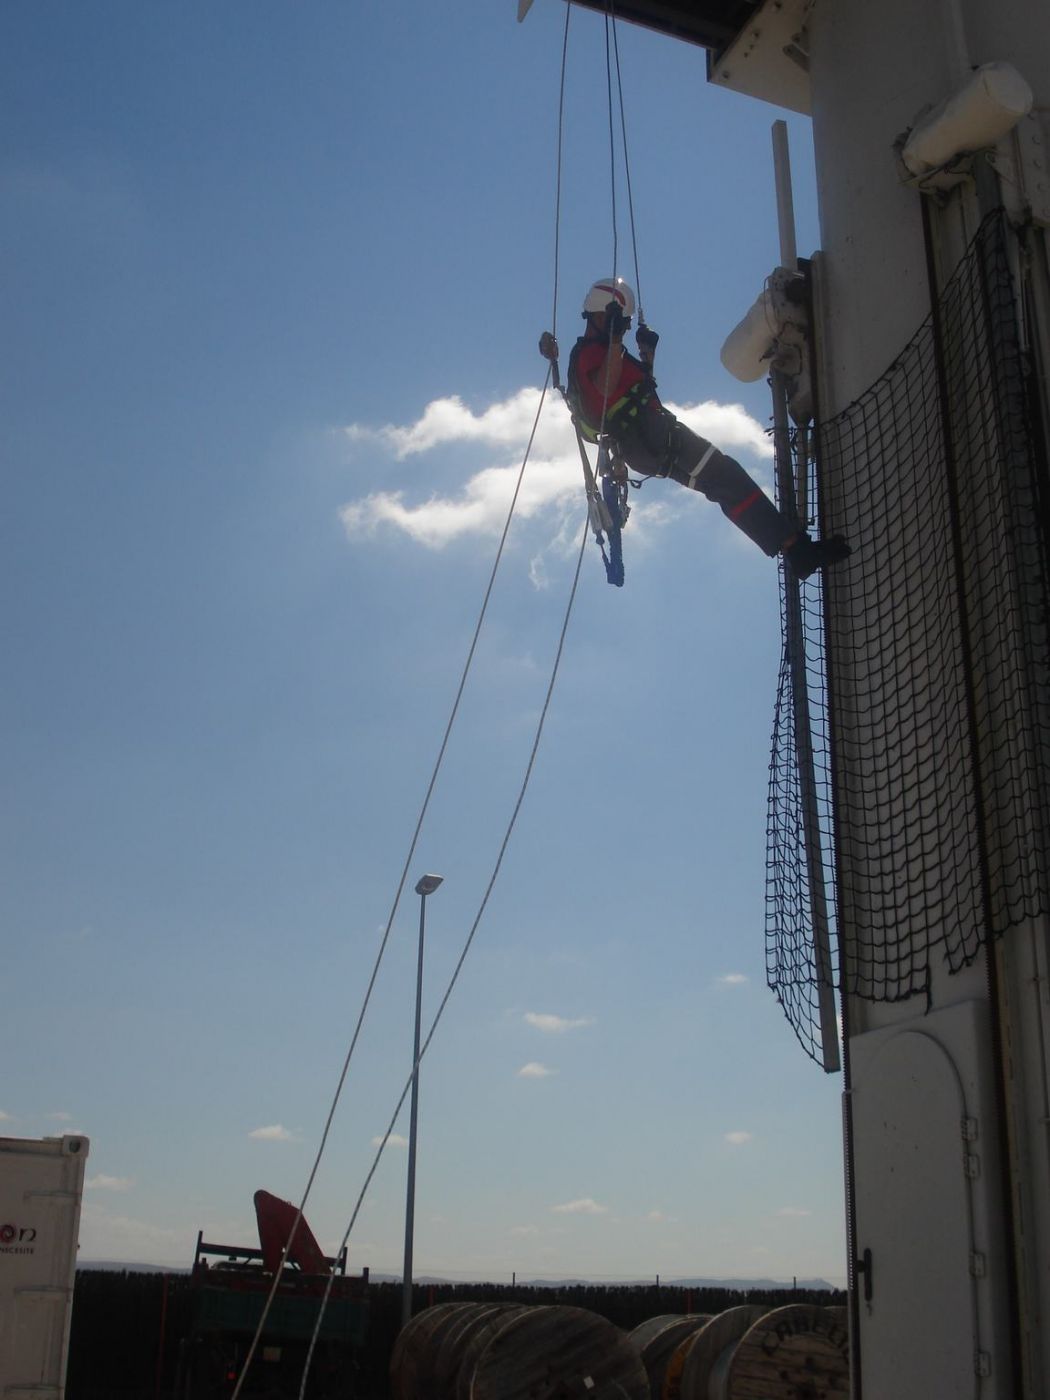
(702, 467)
(658, 445)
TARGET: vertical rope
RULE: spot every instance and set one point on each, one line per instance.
(612, 146)
(558, 170)
(627, 167)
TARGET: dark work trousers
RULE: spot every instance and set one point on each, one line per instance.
(654, 443)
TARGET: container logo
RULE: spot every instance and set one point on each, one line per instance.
(17, 1239)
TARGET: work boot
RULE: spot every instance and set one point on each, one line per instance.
(806, 556)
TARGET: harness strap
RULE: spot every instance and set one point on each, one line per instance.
(606, 511)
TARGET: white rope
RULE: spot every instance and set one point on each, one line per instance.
(394, 907)
(463, 955)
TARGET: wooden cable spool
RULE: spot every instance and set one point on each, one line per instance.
(473, 1347)
(467, 1332)
(648, 1329)
(410, 1361)
(690, 1369)
(657, 1345)
(798, 1352)
(555, 1353)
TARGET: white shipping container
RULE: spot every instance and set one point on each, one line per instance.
(41, 1184)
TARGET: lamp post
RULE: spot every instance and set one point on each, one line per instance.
(426, 885)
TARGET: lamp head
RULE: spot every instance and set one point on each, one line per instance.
(428, 884)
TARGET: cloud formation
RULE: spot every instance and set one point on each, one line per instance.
(5, 1117)
(101, 1182)
(738, 1137)
(534, 1070)
(551, 482)
(584, 1206)
(394, 1140)
(732, 979)
(274, 1132)
(555, 1025)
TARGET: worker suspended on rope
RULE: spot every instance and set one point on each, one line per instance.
(612, 395)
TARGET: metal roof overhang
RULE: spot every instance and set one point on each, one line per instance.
(711, 23)
(754, 47)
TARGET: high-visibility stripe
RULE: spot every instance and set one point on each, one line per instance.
(745, 504)
(712, 449)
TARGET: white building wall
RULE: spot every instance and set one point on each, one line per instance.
(932, 1191)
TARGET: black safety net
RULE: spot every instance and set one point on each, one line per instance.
(936, 720)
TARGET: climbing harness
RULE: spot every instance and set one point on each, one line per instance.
(607, 507)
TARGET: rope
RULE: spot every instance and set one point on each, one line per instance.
(397, 899)
(466, 946)
(627, 165)
(452, 717)
(612, 141)
(558, 170)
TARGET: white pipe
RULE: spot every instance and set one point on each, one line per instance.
(785, 199)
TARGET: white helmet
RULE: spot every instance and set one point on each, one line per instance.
(607, 290)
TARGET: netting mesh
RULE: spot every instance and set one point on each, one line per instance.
(936, 638)
(800, 872)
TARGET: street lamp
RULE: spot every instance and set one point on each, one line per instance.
(426, 885)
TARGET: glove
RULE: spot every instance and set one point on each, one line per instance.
(646, 340)
(615, 321)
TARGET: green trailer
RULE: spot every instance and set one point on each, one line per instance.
(230, 1289)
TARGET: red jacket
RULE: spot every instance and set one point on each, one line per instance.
(587, 356)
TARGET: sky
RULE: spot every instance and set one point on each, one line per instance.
(275, 277)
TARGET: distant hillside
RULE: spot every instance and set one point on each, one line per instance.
(732, 1285)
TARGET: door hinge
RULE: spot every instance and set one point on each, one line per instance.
(863, 1266)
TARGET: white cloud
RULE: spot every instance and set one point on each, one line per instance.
(554, 1025)
(738, 1137)
(793, 1210)
(732, 979)
(534, 1070)
(274, 1132)
(551, 482)
(523, 1230)
(584, 1206)
(101, 1182)
(394, 1140)
(5, 1117)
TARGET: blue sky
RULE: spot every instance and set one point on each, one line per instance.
(276, 276)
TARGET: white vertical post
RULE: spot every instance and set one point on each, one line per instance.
(785, 197)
